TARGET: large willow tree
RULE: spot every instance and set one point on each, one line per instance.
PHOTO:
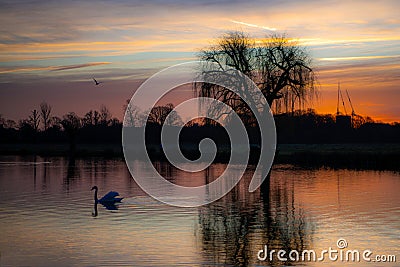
(279, 66)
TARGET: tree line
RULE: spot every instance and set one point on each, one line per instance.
(100, 127)
(96, 126)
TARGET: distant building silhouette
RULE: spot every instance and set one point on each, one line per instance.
(343, 121)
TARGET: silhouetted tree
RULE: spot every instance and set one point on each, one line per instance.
(114, 122)
(92, 117)
(105, 116)
(88, 119)
(358, 120)
(10, 124)
(7, 123)
(132, 115)
(55, 122)
(164, 115)
(197, 122)
(96, 117)
(24, 123)
(45, 110)
(71, 124)
(278, 66)
(26, 130)
(34, 120)
(2, 120)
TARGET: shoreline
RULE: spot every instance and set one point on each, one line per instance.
(370, 156)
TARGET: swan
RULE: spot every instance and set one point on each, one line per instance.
(109, 199)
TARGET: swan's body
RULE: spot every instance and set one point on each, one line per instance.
(110, 198)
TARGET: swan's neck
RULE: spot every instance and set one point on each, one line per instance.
(95, 196)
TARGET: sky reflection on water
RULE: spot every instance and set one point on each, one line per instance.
(46, 220)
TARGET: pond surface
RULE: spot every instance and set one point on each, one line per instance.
(47, 216)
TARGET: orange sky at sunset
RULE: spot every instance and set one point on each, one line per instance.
(50, 51)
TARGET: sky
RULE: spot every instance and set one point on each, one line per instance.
(50, 50)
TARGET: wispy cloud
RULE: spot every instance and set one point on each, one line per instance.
(12, 52)
(78, 66)
(356, 58)
(4, 70)
(253, 25)
(50, 68)
(349, 40)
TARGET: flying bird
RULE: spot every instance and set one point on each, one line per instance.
(96, 82)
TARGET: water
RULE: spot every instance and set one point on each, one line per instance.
(46, 216)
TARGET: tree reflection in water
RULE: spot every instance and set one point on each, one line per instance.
(233, 229)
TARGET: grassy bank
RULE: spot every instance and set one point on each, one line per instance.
(82, 150)
(364, 156)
